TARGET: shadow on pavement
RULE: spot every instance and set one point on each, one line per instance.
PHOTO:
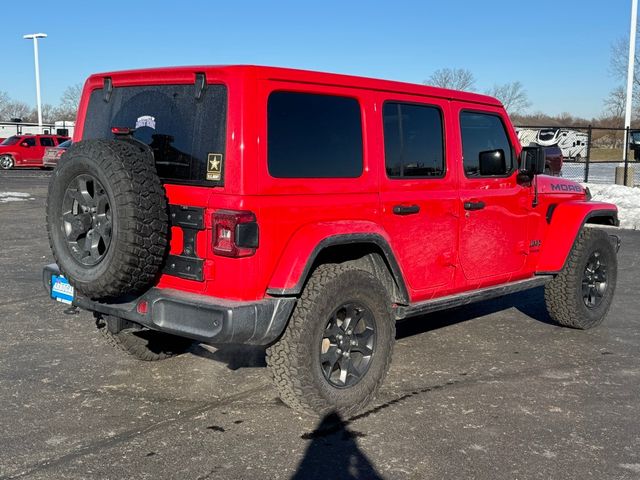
(334, 454)
(235, 356)
(530, 302)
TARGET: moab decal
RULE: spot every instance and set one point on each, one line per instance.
(563, 187)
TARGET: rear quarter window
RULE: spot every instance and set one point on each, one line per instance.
(313, 136)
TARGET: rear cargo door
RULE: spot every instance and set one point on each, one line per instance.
(185, 127)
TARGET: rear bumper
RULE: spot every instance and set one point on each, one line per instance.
(202, 318)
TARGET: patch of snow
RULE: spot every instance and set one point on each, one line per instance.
(627, 199)
(14, 194)
(6, 197)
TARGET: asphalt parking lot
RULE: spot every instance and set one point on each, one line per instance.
(490, 391)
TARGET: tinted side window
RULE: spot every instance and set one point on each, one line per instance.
(313, 136)
(413, 140)
(30, 141)
(46, 142)
(482, 132)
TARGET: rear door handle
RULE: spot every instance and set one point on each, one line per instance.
(475, 205)
(406, 209)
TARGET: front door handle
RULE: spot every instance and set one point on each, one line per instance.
(406, 209)
(474, 205)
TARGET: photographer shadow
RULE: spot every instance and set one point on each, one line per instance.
(334, 453)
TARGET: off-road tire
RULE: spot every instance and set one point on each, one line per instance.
(139, 220)
(563, 295)
(294, 361)
(141, 343)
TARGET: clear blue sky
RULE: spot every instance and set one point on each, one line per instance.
(558, 49)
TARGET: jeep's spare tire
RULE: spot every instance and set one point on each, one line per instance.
(107, 218)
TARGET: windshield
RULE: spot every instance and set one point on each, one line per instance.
(10, 141)
(183, 132)
(65, 144)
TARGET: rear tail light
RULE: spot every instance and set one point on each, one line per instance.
(235, 234)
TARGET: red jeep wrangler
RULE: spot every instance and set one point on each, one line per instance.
(308, 212)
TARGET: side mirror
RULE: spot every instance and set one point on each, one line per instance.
(532, 160)
(492, 163)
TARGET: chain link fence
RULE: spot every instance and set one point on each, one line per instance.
(590, 154)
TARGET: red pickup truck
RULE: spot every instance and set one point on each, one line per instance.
(308, 212)
(26, 150)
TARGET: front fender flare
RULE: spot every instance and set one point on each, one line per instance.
(565, 222)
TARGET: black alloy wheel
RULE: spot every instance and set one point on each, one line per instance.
(86, 216)
(594, 280)
(348, 345)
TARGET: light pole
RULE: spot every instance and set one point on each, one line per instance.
(35, 37)
(630, 71)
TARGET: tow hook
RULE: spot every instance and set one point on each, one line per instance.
(72, 310)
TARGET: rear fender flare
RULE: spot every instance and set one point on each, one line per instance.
(303, 250)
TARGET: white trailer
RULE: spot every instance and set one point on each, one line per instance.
(62, 127)
(573, 143)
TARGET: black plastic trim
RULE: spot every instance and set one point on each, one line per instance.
(466, 298)
(247, 235)
(550, 211)
(187, 217)
(187, 264)
(202, 318)
(348, 239)
(185, 267)
(201, 84)
(107, 89)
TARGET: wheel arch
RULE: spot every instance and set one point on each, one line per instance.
(371, 251)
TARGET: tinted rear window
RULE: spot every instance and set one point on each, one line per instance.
(314, 136)
(183, 132)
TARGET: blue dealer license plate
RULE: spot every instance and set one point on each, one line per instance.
(61, 290)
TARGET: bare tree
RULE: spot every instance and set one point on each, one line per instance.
(15, 109)
(454, 78)
(512, 95)
(68, 107)
(48, 114)
(615, 102)
(4, 100)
